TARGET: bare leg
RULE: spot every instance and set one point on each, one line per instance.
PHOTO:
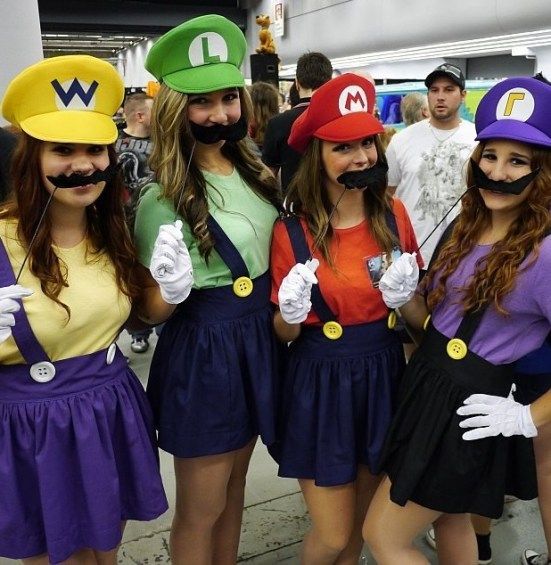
(389, 529)
(455, 540)
(227, 529)
(366, 484)
(481, 524)
(201, 496)
(542, 448)
(332, 511)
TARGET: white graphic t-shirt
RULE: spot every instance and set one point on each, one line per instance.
(427, 166)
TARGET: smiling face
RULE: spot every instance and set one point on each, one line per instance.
(445, 98)
(504, 160)
(338, 158)
(69, 158)
(221, 107)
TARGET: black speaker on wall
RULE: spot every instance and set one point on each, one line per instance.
(265, 67)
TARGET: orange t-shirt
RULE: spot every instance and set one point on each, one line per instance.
(350, 290)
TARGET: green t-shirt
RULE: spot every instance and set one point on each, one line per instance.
(246, 219)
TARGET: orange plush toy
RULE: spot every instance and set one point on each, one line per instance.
(267, 44)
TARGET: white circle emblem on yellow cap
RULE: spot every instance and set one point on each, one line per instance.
(75, 94)
(207, 48)
(352, 99)
(515, 104)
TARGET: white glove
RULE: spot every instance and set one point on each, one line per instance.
(8, 305)
(400, 280)
(295, 290)
(496, 415)
(171, 264)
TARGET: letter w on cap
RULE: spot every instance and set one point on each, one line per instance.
(75, 89)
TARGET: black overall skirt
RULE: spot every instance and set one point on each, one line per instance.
(425, 456)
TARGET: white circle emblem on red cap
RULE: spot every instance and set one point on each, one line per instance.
(209, 47)
(516, 104)
(353, 99)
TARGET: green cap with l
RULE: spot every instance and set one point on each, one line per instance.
(201, 55)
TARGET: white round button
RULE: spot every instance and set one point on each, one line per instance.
(111, 354)
(42, 372)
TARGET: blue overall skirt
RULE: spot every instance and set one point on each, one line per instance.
(77, 449)
(213, 377)
(338, 395)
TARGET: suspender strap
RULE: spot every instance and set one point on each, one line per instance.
(392, 226)
(302, 252)
(26, 342)
(227, 250)
(469, 324)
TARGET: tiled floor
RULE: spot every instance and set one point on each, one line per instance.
(275, 518)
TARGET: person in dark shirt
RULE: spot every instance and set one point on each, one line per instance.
(313, 70)
(7, 145)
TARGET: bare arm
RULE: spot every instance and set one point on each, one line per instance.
(285, 332)
(151, 307)
(415, 312)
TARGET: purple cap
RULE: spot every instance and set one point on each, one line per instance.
(518, 109)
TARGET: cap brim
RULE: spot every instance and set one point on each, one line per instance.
(515, 130)
(207, 78)
(442, 74)
(72, 127)
(355, 125)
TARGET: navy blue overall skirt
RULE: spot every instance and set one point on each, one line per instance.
(213, 382)
(338, 398)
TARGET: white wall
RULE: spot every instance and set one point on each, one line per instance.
(131, 65)
(543, 60)
(20, 39)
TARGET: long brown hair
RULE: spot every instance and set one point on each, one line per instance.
(307, 196)
(265, 104)
(494, 277)
(172, 145)
(107, 231)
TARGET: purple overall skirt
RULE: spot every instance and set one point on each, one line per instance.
(77, 452)
(213, 377)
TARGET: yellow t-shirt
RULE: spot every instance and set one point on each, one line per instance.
(98, 307)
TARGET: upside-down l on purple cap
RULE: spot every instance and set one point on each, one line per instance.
(340, 110)
(517, 108)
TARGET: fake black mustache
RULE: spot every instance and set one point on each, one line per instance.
(372, 178)
(71, 181)
(515, 187)
(218, 132)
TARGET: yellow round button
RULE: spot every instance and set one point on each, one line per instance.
(332, 330)
(243, 286)
(391, 320)
(456, 348)
(426, 322)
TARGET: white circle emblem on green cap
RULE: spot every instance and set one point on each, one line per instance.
(208, 48)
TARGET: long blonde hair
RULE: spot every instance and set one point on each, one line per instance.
(172, 145)
(307, 196)
(494, 277)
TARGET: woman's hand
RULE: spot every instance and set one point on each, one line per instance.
(295, 290)
(8, 305)
(400, 280)
(171, 264)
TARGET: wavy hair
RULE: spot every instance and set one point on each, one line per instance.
(307, 196)
(106, 227)
(265, 104)
(172, 145)
(495, 275)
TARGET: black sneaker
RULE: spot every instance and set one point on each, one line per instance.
(139, 344)
(530, 557)
(484, 549)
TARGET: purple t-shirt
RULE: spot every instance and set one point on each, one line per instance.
(500, 339)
